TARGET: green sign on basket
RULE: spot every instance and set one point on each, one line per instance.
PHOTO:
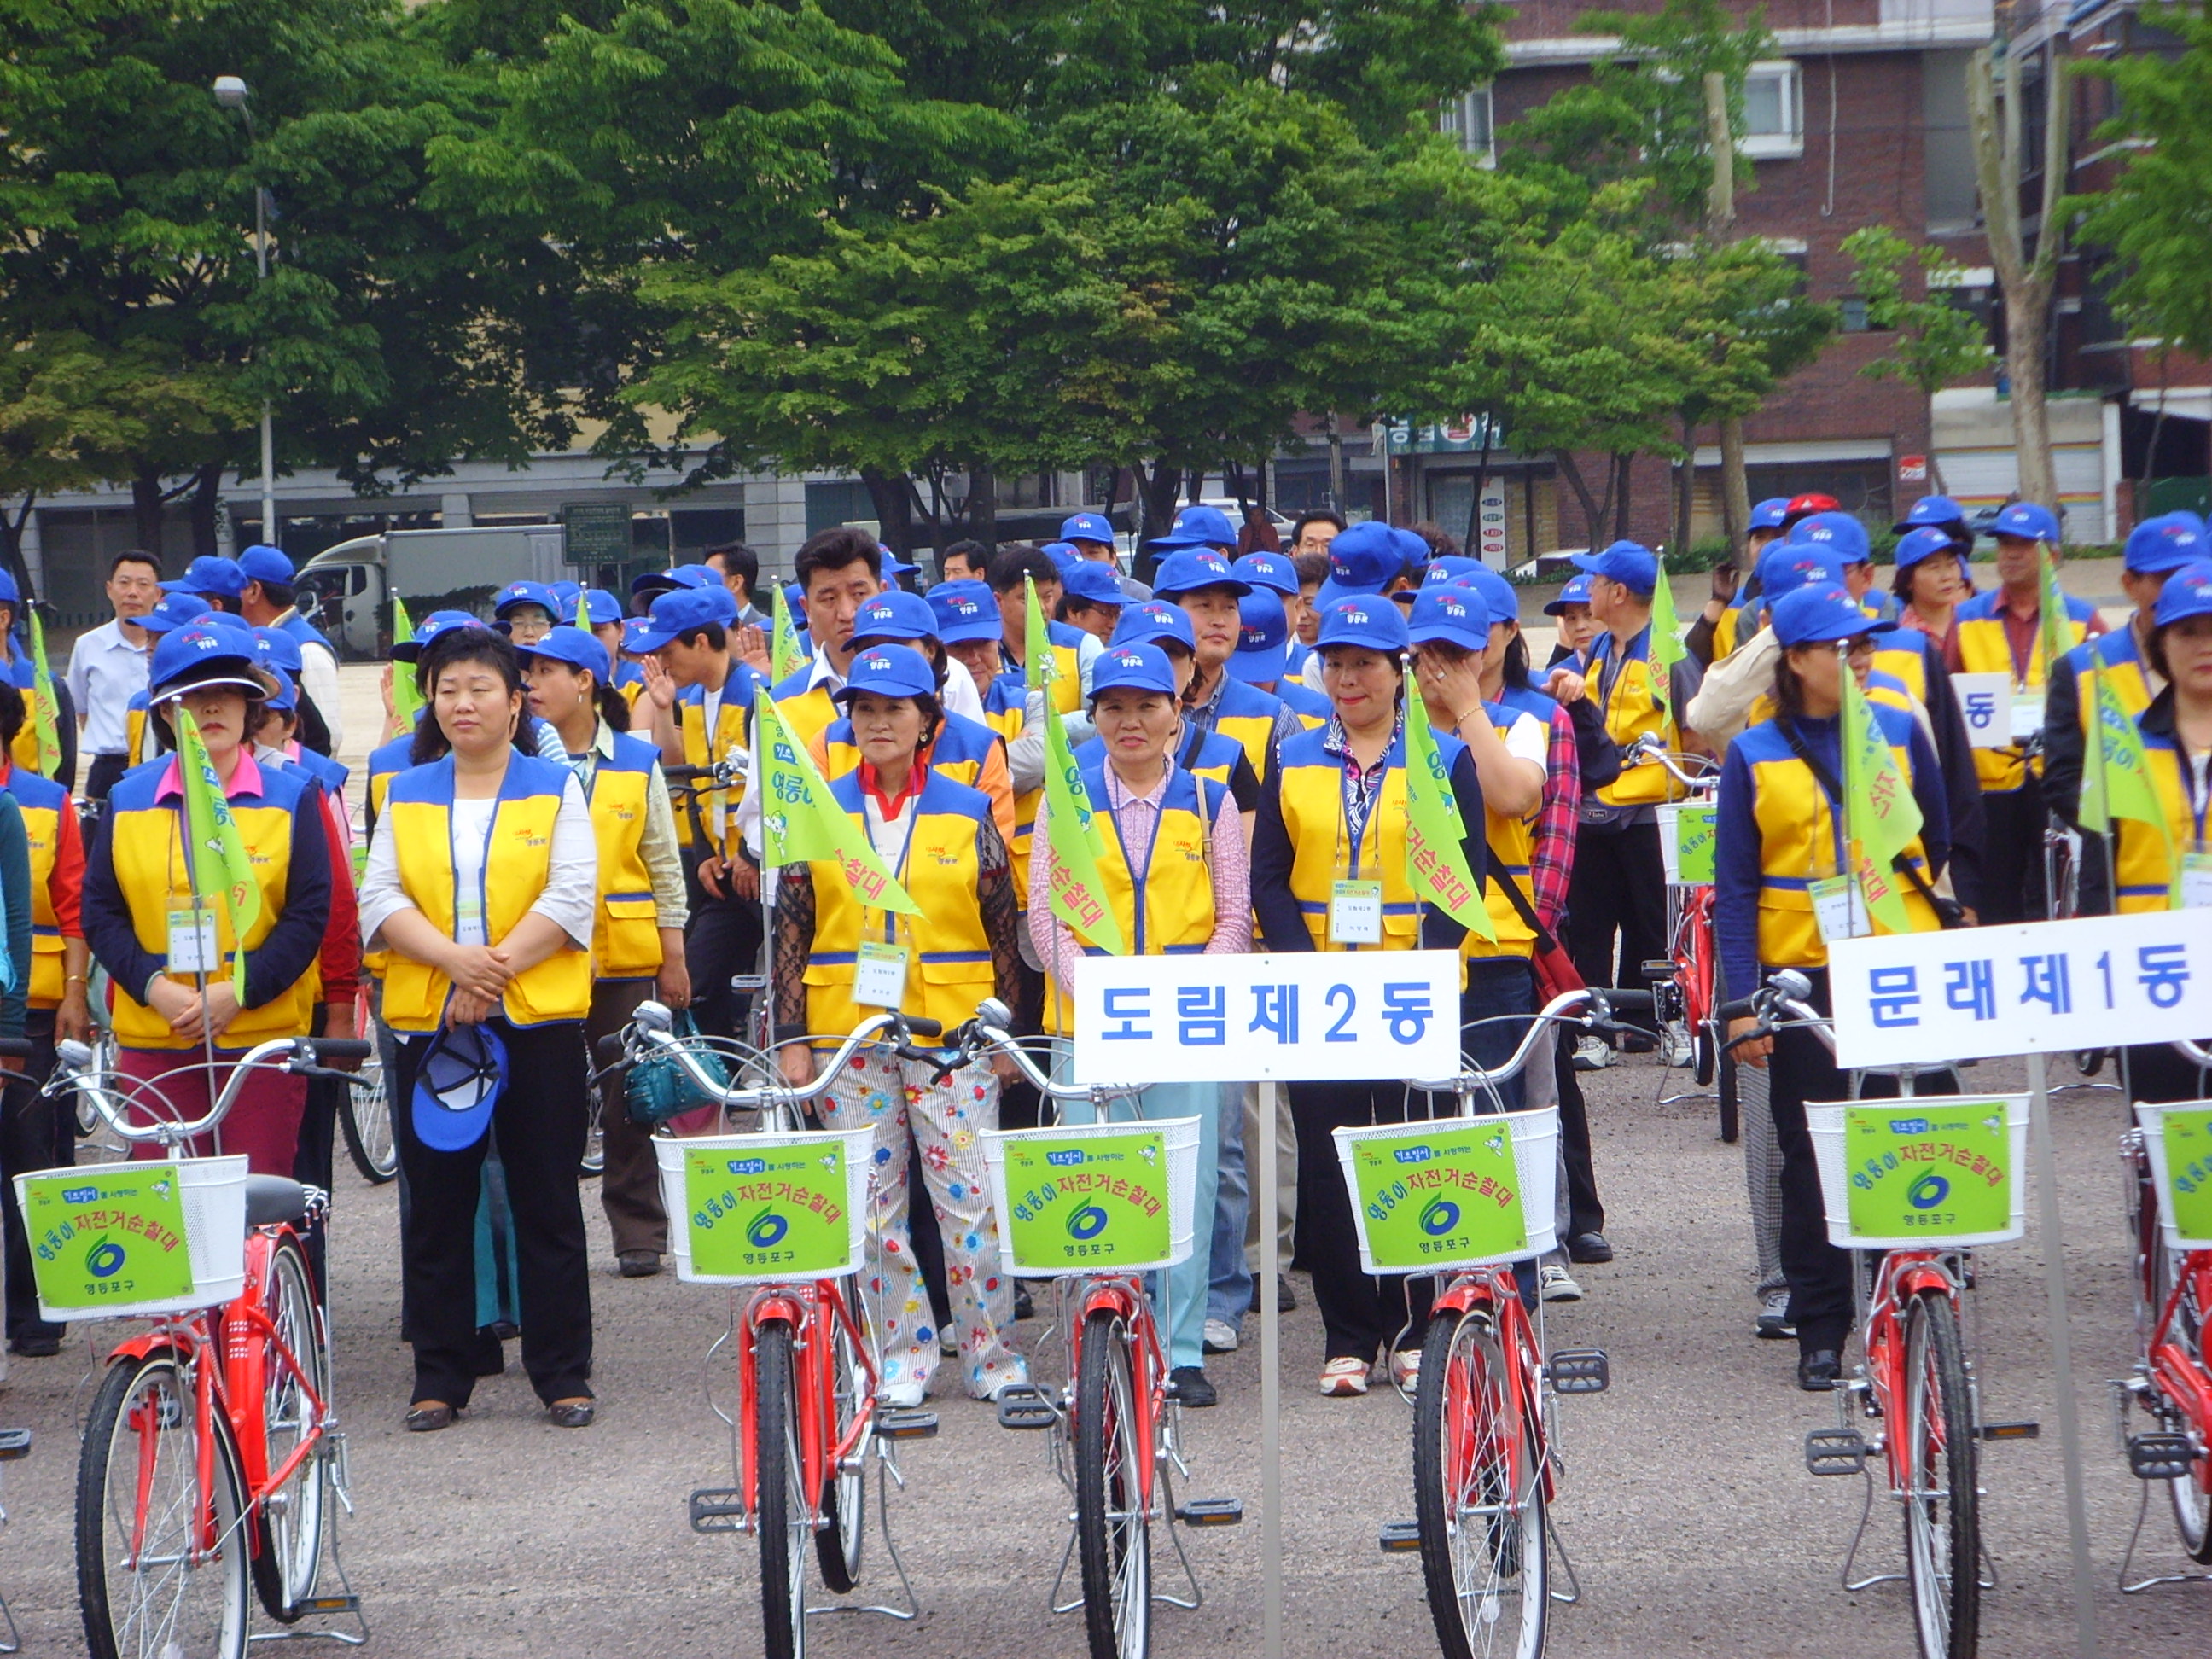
(1693, 844)
(2189, 1169)
(1079, 1202)
(1927, 1168)
(1439, 1194)
(108, 1236)
(780, 1210)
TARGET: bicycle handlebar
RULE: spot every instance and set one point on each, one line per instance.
(73, 1069)
(1567, 1008)
(650, 1031)
(1650, 747)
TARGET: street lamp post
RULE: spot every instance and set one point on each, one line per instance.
(232, 93)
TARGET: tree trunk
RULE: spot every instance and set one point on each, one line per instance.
(146, 503)
(1624, 473)
(1573, 474)
(893, 501)
(1157, 493)
(1720, 223)
(11, 540)
(206, 496)
(1686, 494)
(2030, 425)
(983, 507)
(1335, 464)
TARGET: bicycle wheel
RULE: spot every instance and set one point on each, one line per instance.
(365, 1116)
(1483, 1548)
(778, 1471)
(179, 1591)
(287, 1524)
(2192, 1504)
(1113, 1526)
(844, 1490)
(1942, 1528)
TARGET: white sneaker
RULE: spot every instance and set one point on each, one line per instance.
(1344, 1378)
(902, 1396)
(1593, 1054)
(1774, 1316)
(1220, 1337)
(1405, 1368)
(1555, 1284)
(1678, 1047)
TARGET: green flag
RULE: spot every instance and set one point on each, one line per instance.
(1667, 647)
(784, 655)
(1078, 896)
(801, 823)
(44, 716)
(1038, 668)
(1880, 817)
(2115, 777)
(406, 696)
(219, 865)
(2052, 625)
(1435, 863)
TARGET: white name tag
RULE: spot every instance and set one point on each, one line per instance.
(194, 947)
(2196, 881)
(1355, 913)
(1839, 910)
(2027, 715)
(879, 975)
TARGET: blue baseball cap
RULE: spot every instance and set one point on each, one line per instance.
(1062, 554)
(888, 673)
(204, 653)
(1132, 667)
(173, 611)
(679, 610)
(1632, 564)
(1931, 510)
(1924, 543)
(575, 648)
(274, 648)
(1198, 526)
(1841, 534)
(1772, 513)
(965, 611)
(209, 575)
(1087, 581)
(513, 597)
(1364, 621)
(2165, 543)
(1364, 559)
(263, 563)
(1263, 642)
(1087, 527)
(1452, 614)
(595, 608)
(1152, 623)
(1818, 611)
(1500, 595)
(1784, 567)
(565, 592)
(459, 1081)
(2195, 522)
(896, 615)
(428, 628)
(1414, 548)
(2187, 592)
(1449, 567)
(1576, 592)
(893, 567)
(286, 696)
(634, 630)
(2027, 521)
(9, 593)
(1192, 569)
(1272, 571)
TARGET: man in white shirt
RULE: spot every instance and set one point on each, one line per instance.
(108, 668)
(267, 601)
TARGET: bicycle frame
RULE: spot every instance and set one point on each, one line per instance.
(815, 1308)
(1123, 1295)
(1903, 1275)
(1493, 1289)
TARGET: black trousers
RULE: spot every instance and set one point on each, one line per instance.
(1360, 1314)
(721, 940)
(314, 1163)
(27, 1143)
(106, 768)
(2012, 854)
(1585, 1214)
(1619, 890)
(1020, 1106)
(2157, 1074)
(539, 1122)
(1495, 986)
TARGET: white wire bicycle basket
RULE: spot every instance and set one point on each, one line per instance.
(1119, 1197)
(2177, 1136)
(134, 1240)
(764, 1209)
(1438, 1195)
(1933, 1165)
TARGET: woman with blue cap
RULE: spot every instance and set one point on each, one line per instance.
(1933, 579)
(1330, 873)
(637, 928)
(839, 960)
(482, 882)
(1176, 875)
(1784, 889)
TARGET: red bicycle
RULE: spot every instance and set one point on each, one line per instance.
(211, 1450)
(1685, 980)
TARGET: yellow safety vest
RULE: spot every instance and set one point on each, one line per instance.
(1634, 703)
(626, 931)
(1983, 649)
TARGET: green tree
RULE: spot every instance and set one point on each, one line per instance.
(1937, 345)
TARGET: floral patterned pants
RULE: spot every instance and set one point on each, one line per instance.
(941, 1123)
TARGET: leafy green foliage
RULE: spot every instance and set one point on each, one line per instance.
(1937, 344)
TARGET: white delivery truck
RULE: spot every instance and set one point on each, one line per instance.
(346, 590)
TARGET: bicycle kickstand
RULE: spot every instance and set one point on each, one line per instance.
(344, 1603)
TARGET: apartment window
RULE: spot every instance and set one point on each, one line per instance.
(1853, 310)
(1466, 120)
(1774, 112)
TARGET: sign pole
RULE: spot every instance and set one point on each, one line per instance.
(1270, 1389)
(2061, 1361)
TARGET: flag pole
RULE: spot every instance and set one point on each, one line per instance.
(192, 886)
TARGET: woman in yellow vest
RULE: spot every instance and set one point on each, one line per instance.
(637, 935)
(839, 961)
(2177, 740)
(1329, 873)
(482, 882)
(169, 952)
(1782, 889)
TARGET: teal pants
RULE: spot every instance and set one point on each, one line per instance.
(498, 1270)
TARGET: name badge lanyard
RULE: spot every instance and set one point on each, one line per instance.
(1831, 796)
(879, 969)
(1140, 873)
(1355, 913)
(2196, 857)
(201, 943)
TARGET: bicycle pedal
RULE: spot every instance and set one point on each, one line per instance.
(13, 1443)
(1211, 1512)
(1835, 1451)
(1401, 1538)
(1025, 1407)
(1659, 968)
(1580, 1370)
(907, 1425)
(2011, 1431)
(324, 1607)
(2161, 1456)
(718, 1509)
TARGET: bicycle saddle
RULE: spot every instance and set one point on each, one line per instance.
(272, 1199)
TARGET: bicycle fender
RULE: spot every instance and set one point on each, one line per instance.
(178, 1337)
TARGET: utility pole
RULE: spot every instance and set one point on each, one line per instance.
(1720, 223)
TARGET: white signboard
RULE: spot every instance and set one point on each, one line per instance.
(1490, 525)
(2037, 987)
(1314, 1016)
(1985, 701)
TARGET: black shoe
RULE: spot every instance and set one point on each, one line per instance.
(572, 1414)
(1287, 1299)
(35, 1347)
(638, 1264)
(1023, 1307)
(503, 1330)
(1818, 1371)
(1191, 1386)
(1633, 1042)
(429, 1420)
(1589, 1247)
